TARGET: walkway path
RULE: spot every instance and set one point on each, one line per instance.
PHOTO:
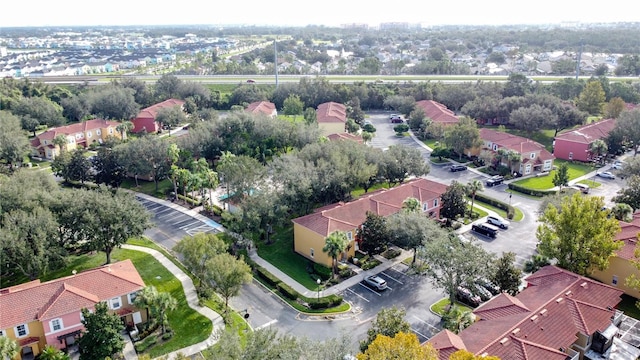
(192, 300)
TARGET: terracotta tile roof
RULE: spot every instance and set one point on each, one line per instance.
(84, 126)
(38, 301)
(437, 112)
(446, 342)
(348, 216)
(629, 234)
(261, 107)
(587, 134)
(516, 143)
(345, 136)
(331, 112)
(544, 317)
(152, 111)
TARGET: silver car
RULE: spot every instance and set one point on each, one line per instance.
(376, 282)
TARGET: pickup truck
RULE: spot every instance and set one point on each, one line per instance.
(494, 180)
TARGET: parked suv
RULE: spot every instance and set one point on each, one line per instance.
(457, 167)
(376, 282)
(498, 221)
(466, 296)
(486, 230)
(581, 187)
(495, 180)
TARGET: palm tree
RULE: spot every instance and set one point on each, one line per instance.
(457, 319)
(8, 348)
(334, 245)
(165, 303)
(124, 128)
(411, 204)
(147, 299)
(598, 147)
(622, 212)
(52, 353)
(60, 141)
(501, 153)
(513, 157)
(472, 189)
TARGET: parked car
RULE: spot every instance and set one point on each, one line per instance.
(606, 175)
(367, 122)
(465, 295)
(457, 167)
(494, 180)
(486, 230)
(396, 119)
(617, 165)
(480, 291)
(376, 282)
(583, 188)
(485, 283)
(498, 221)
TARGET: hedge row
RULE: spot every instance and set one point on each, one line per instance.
(290, 293)
(146, 343)
(532, 192)
(191, 201)
(511, 212)
(324, 272)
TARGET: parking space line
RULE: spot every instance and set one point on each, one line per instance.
(419, 333)
(267, 324)
(398, 271)
(426, 323)
(373, 291)
(193, 223)
(169, 212)
(358, 295)
(392, 278)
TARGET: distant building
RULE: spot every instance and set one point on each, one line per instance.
(262, 107)
(146, 119)
(77, 135)
(575, 144)
(345, 136)
(437, 112)
(332, 118)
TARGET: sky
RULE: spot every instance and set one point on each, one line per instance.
(302, 13)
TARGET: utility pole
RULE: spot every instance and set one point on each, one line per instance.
(578, 59)
(275, 51)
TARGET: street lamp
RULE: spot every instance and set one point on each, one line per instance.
(318, 282)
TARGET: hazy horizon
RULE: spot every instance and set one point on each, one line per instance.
(71, 13)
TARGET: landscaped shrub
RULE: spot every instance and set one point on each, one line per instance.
(143, 345)
(391, 253)
(267, 276)
(189, 200)
(511, 212)
(288, 291)
(369, 264)
(166, 336)
(324, 272)
(324, 302)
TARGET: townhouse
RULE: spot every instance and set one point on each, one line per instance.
(558, 316)
(576, 144)
(146, 118)
(310, 231)
(332, 118)
(36, 314)
(262, 107)
(531, 155)
(76, 135)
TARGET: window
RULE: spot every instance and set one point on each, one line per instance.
(110, 130)
(435, 202)
(22, 330)
(46, 142)
(98, 132)
(89, 134)
(349, 235)
(533, 155)
(570, 156)
(115, 303)
(312, 252)
(425, 206)
(614, 281)
(56, 324)
(2, 333)
(495, 147)
(132, 297)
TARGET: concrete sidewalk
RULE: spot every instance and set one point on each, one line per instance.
(192, 300)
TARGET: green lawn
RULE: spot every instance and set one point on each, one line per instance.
(519, 215)
(591, 183)
(282, 256)
(189, 326)
(360, 191)
(148, 187)
(441, 306)
(628, 305)
(546, 182)
(432, 143)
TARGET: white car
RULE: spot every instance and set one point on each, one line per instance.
(606, 175)
(498, 221)
(617, 165)
(376, 282)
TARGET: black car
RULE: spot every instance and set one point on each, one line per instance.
(494, 180)
(465, 295)
(455, 168)
(485, 283)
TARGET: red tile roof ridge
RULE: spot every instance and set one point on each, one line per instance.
(584, 325)
(446, 339)
(64, 287)
(507, 302)
(535, 344)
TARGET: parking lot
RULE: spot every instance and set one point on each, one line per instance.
(404, 290)
(171, 225)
